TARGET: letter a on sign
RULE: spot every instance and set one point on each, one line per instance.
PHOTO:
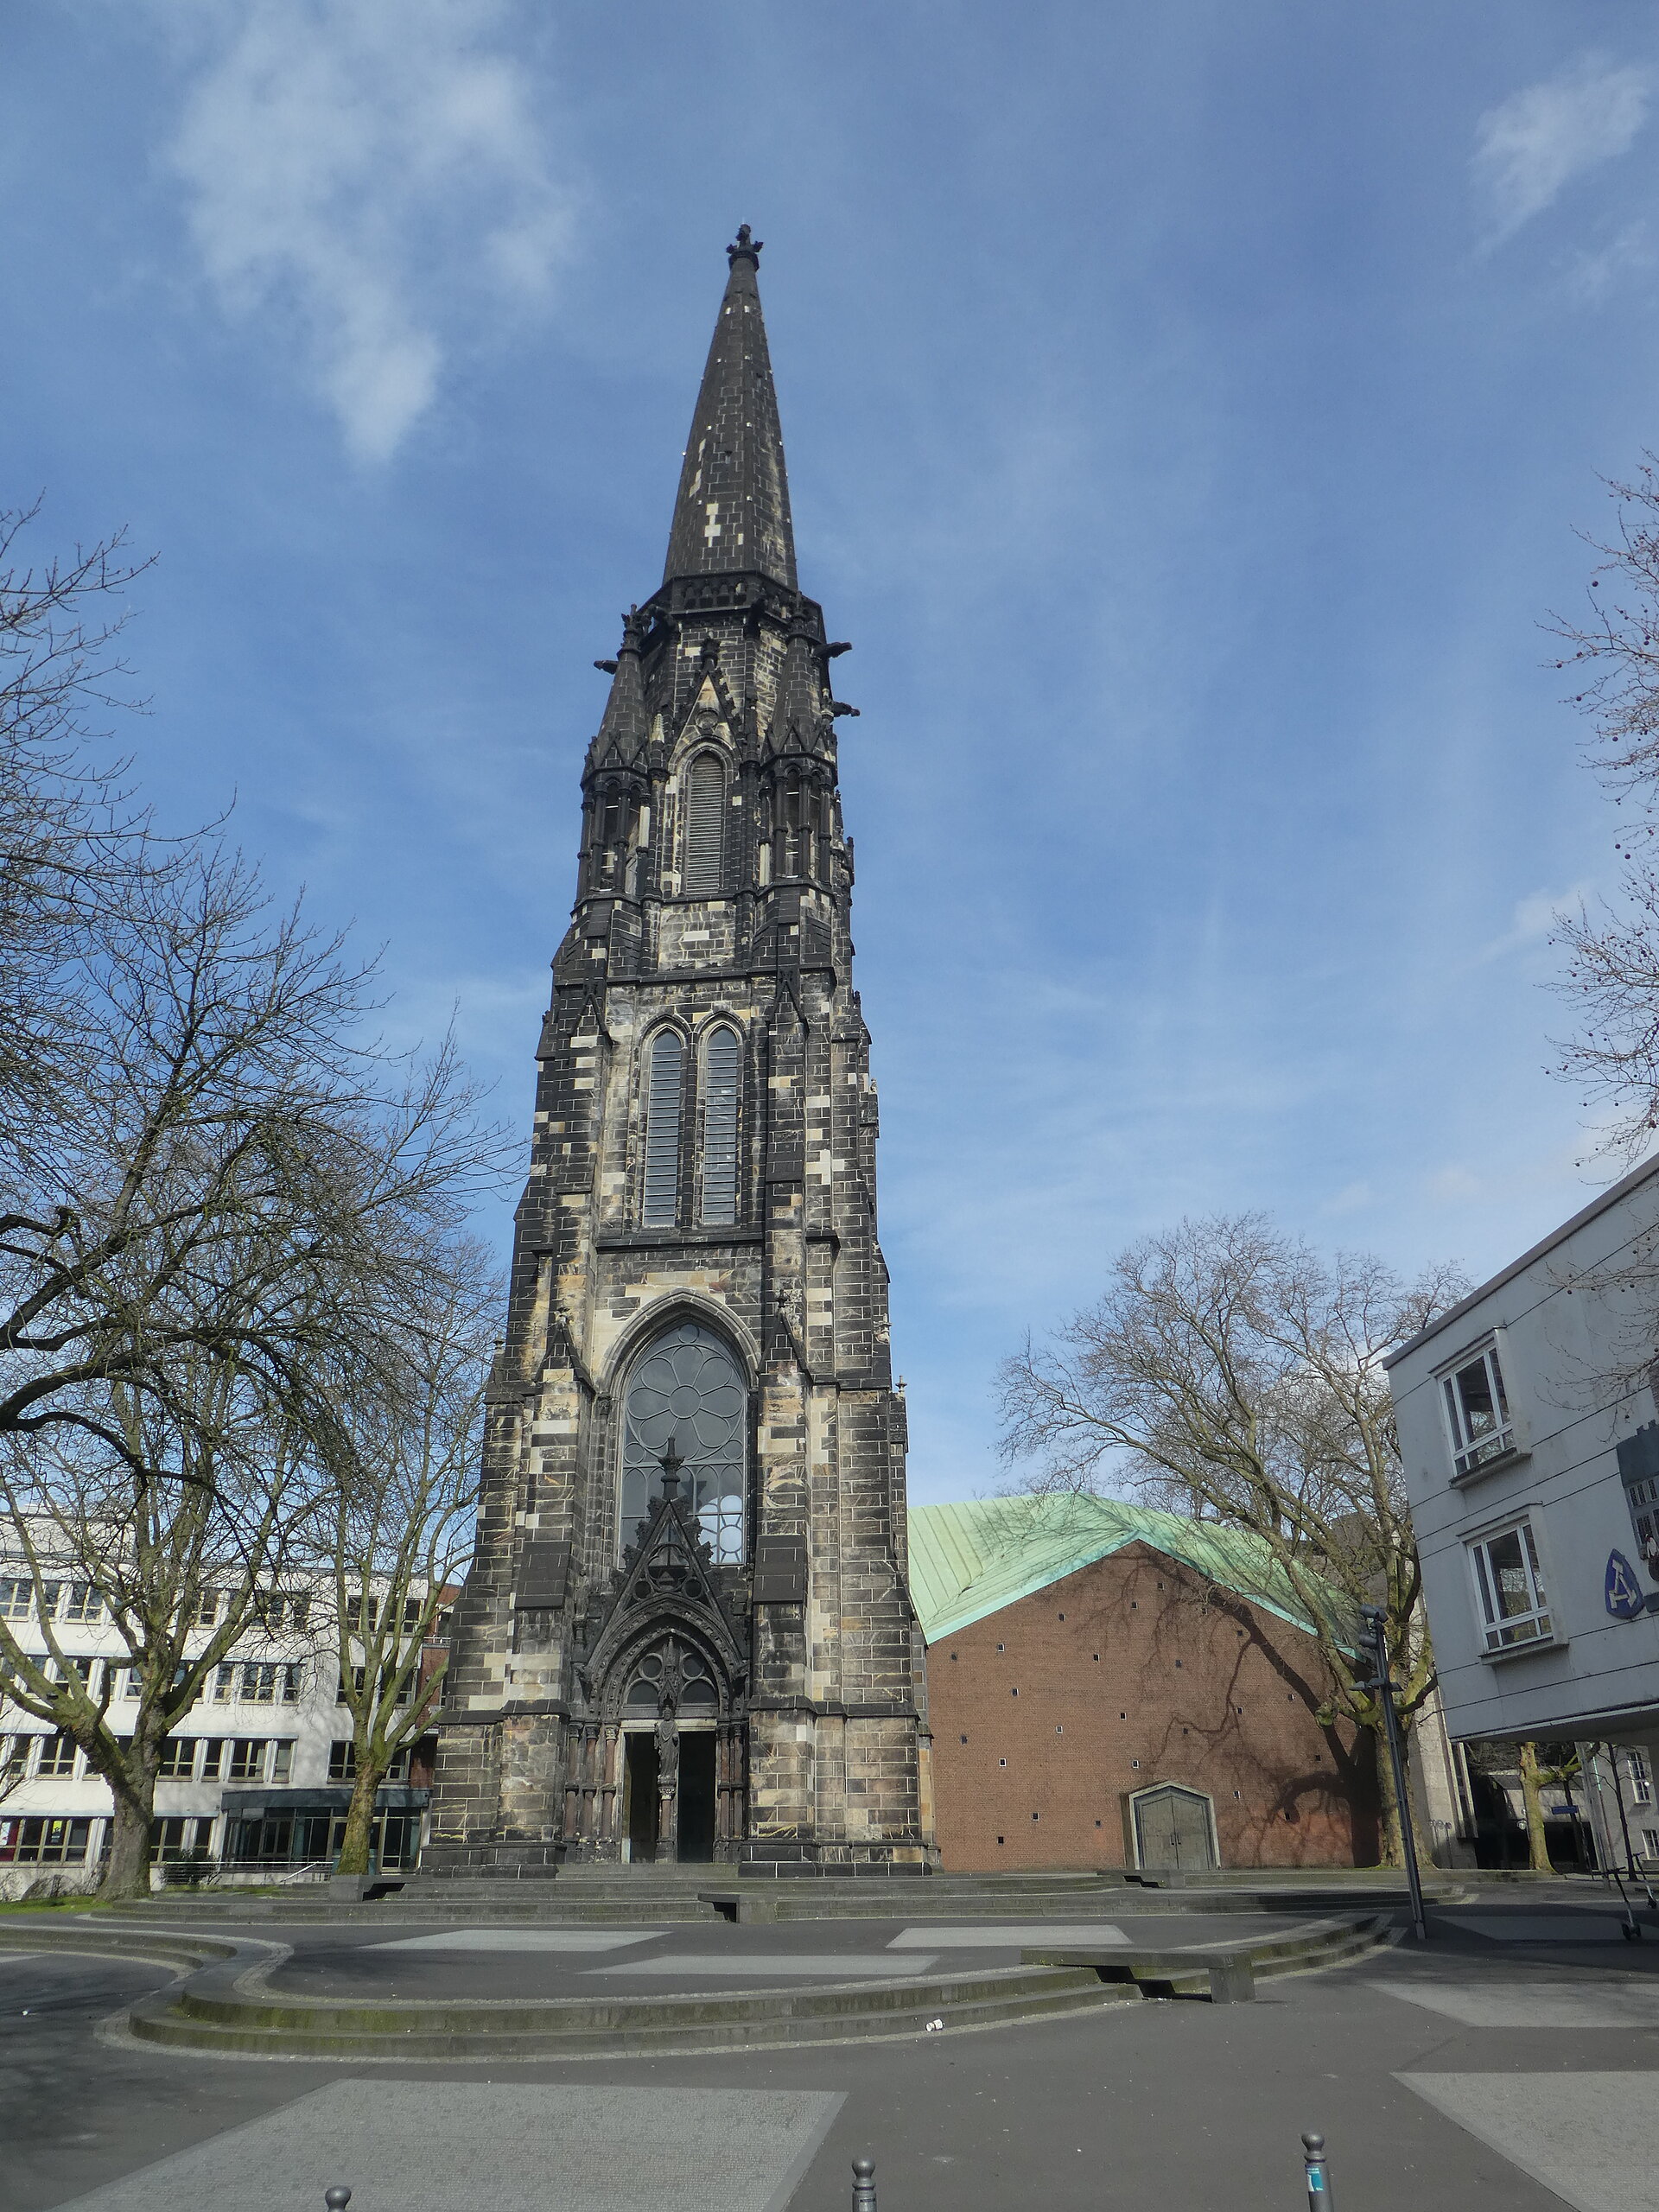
(1622, 1590)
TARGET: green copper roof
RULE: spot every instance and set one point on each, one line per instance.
(969, 1561)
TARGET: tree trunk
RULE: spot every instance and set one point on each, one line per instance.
(359, 1823)
(1532, 1795)
(126, 1873)
(1393, 1850)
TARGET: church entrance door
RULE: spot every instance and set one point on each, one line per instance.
(697, 1821)
(1174, 1828)
(640, 1800)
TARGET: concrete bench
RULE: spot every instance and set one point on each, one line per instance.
(740, 1904)
(1229, 1976)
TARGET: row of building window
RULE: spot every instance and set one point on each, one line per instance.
(184, 1759)
(236, 1681)
(189, 1759)
(273, 1610)
(70, 1840)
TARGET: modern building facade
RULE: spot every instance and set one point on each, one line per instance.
(1111, 1686)
(687, 1632)
(1528, 1430)
(255, 1781)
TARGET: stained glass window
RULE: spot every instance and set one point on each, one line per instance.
(687, 1392)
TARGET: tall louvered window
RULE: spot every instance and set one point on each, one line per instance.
(705, 827)
(797, 834)
(719, 1078)
(662, 1197)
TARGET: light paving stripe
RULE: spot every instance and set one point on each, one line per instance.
(800, 1966)
(1539, 1927)
(431, 2147)
(1007, 1936)
(1534, 2004)
(521, 1939)
(1587, 2136)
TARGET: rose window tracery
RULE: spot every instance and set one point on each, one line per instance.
(687, 1401)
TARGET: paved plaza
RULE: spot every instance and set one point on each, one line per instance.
(1512, 2063)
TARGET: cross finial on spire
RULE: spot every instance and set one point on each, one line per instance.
(745, 243)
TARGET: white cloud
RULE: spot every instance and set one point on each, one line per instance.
(1537, 140)
(1591, 277)
(1532, 920)
(367, 177)
(1353, 1197)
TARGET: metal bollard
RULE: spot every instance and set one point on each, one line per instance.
(1318, 2179)
(337, 2198)
(864, 2184)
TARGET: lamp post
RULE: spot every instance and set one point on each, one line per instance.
(1376, 1631)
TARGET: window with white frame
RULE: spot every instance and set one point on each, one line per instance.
(83, 1603)
(1641, 1779)
(57, 1755)
(17, 1597)
(1478, 1409)
(1510, 1588)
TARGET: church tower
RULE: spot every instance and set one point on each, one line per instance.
(687, 1633)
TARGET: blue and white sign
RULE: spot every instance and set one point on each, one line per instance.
(1621, 1591)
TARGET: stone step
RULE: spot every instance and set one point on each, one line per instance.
(221, 2008)
(607, 2028)
(554, 1906)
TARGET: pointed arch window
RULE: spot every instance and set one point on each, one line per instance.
(720, 1068)
(795, 830)
(664, 1071)
(705, 828)
(687, 1402)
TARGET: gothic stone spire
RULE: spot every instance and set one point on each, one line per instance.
(697, 1234)
(732, 511)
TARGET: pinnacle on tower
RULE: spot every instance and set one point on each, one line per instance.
(622, 731)
(732, 511)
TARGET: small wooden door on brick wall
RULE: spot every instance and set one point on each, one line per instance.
(1173, 1828)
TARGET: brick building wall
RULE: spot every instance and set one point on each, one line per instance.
(1049, 1714)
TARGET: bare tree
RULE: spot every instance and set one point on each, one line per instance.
(1229, 1373)
(72, 843)
(216, 1195)
(180, 1538)
(1612, 950)
(404, 1454)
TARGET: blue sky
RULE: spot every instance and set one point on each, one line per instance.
(1190, 412)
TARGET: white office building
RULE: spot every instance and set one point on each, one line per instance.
(256, 1779)
(1530, 1441)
